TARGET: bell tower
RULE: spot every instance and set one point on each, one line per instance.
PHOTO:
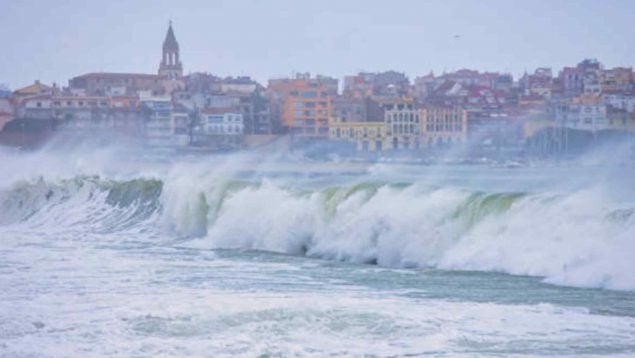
(171, 66)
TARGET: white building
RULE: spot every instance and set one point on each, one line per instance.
(225, 122)
(625, 101)
(586, 113)
(164, 124)
(402, 122)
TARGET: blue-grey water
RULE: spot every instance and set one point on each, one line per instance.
(104, 253)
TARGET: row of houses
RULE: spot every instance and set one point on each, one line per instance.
(372, 111)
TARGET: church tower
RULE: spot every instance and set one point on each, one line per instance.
(171, 66)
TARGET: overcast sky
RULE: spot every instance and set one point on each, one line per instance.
(54, 40)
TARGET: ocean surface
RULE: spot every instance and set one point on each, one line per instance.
(126, 253)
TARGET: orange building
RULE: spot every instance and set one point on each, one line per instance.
(302, 105)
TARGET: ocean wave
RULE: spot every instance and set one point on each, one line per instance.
(577, 238)
(83, 202)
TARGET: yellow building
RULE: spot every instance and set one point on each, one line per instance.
(621, 120)
(367, 136)
(442, 126)
(402, 121)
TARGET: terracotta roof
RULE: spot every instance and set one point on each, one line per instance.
(116, 75)
(35, 88)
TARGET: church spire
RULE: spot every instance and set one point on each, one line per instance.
(170, 40)
(170, 62)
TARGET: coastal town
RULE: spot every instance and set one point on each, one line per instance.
(543, 112)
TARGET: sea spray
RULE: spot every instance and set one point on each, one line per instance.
(578, 238)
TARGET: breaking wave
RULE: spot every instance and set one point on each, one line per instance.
(577, 239)
(81, 203)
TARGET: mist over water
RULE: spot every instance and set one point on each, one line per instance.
(124, 251)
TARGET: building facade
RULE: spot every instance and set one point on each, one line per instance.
(116, 84)
(349, 109)
(165, 125)
(302, 105)
(621, 100)
(223, 121)
(365, 136)
(443, 126)
(403, 124)
(585, 112)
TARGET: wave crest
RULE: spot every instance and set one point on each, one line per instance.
(576, 239)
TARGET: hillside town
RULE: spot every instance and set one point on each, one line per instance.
(542, 113)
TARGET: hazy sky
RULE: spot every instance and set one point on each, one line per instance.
(54, 40)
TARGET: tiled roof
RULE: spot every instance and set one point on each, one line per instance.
(116, 75)
(33, 89)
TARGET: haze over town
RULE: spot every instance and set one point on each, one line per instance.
(267, 39)
(494, 114)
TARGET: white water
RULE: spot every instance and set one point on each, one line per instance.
(108, 257)
(582, 237)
